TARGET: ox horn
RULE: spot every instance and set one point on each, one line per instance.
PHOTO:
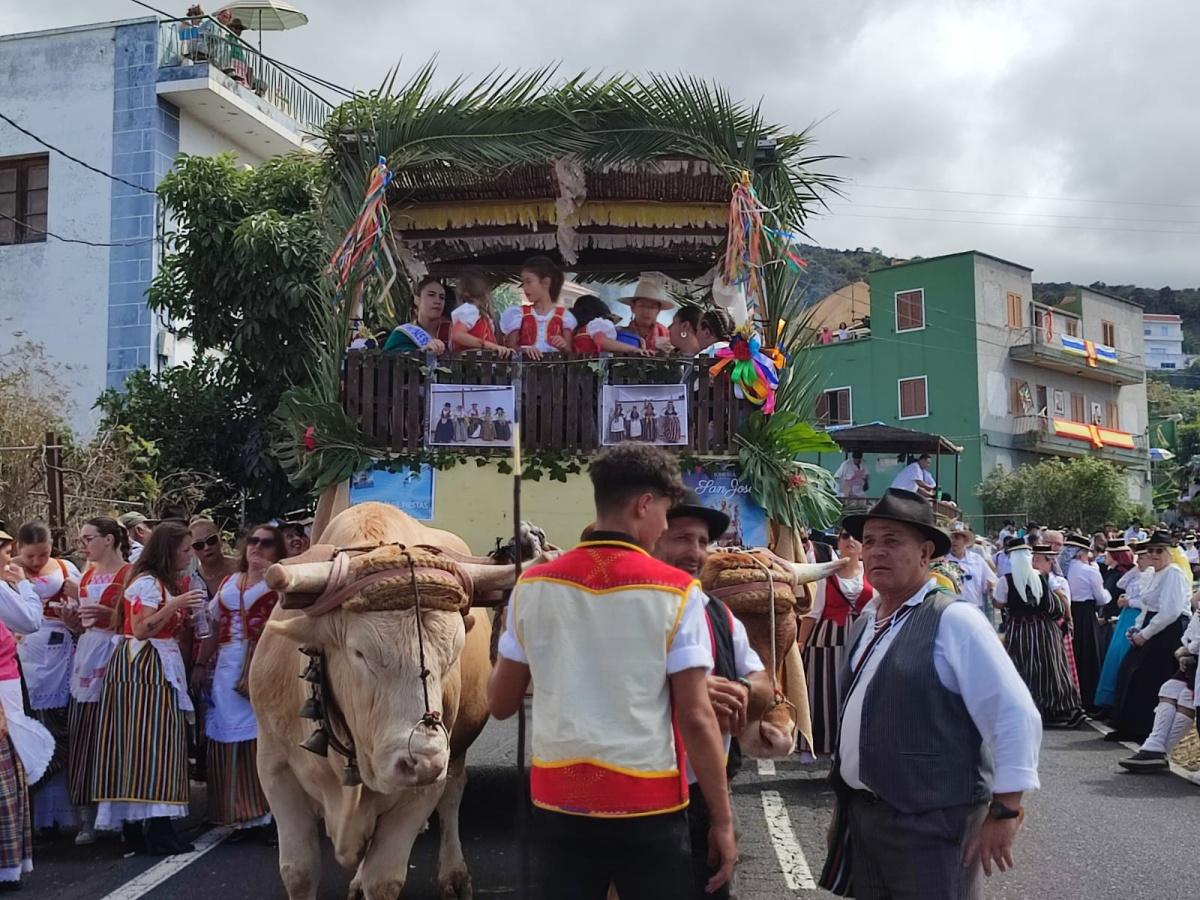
(299, 578)
(490, 578)
(809, 572)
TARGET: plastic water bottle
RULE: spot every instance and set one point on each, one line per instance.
(200, 625)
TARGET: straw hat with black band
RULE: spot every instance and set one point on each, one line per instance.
(1044, 550)
(1075, 539)
(1139, 547)
(5, 536)
(651, 286)
(691, 507)
(1116, 545)
(898, 505)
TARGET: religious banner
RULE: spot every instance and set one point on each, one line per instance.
(407, 490)
(724, 491)
(653, 413)
(470, 415)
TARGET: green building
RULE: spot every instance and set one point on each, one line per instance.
(955, 345)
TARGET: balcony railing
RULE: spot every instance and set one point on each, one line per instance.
(205, 42)
(385, 395)
(1040, 434)
(1039, 345)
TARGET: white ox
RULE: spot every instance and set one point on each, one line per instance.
(407, 769)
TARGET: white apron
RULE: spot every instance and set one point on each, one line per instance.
(48, 654)
(92, 653)
(230, 717)
(33, 743)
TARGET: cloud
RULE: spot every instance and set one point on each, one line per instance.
(1074, 100)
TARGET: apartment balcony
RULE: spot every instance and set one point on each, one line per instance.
(225, 83)
(1075, 356)
(1062, 437)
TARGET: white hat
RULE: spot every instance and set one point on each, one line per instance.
(651, 286)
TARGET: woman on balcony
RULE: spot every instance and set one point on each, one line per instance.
(543, 326)
(429, 332)
(472, 325)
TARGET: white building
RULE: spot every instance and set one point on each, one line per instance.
(125, 97)
(1164, 342)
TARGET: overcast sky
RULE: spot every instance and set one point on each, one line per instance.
(1049, 133)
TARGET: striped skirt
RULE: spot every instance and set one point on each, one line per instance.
(823, 660)
(1040, 658)
(235, 796)
(141, 759)
(82, 723)
(16, 834)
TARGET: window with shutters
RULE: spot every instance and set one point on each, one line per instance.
(1078, 408)
(1015, 314)
(1112, 416)
(833, 407)
(1108, 334)
(1072, 327)
(910, 310)
(914, 399)
(23, 194)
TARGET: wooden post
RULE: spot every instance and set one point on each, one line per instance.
(55, 494)
(523, 800)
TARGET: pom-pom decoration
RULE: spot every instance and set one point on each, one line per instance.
(755, 369)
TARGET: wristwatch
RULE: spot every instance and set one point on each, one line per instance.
(1000, 812)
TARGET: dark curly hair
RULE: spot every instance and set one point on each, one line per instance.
(623, 472)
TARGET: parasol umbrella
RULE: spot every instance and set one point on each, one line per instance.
(266, 15)
(1158, 454)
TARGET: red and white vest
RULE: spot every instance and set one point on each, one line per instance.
(529, 326)
(482, 329)
(837, 607)
(254, 617)
(596, 625)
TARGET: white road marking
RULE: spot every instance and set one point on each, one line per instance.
(766, 766)
(172, 865)
(796, 873)
(1176, 769)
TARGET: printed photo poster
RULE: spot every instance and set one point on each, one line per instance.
(654, 413)
(724, 491)
(470, 415)
(409, 491)
(1060, 403)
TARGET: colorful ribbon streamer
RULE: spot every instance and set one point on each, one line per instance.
(365, 237)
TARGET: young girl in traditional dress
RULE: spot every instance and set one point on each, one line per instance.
(104, 544)
(460, 425)
(616, 425)
(503, 426)
(838, 602)
(141, 763)
(487, 431)
(635, 425)
(47, 656)
(543, 326)
(471, 322)
(672, 433)
(241, 609)
(429, 332)
(25, 746)
(649, 423)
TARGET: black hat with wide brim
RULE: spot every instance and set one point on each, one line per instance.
(898, 505)
(690, 507)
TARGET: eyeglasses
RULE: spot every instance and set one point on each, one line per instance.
(87, 538)
(210, 541)
(266, 543)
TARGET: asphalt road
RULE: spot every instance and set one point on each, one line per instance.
(1092, 831)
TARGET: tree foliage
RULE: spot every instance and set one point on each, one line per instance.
(243, 262)
(1081, 493)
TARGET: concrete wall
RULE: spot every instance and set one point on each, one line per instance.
(1130, 340)
(198, 139)
(59, 85)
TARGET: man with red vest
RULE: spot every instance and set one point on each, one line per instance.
(738, 686)
(618, 648)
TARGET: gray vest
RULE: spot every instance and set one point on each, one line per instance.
(918, 748)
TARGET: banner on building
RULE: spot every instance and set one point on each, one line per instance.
(724, 491)
(654, 413)
(408, 491)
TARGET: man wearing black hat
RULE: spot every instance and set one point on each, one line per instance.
(738, 686)
(939, 736)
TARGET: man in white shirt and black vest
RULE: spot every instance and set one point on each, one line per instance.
(939, 736)
(617, 645)
(738, 685)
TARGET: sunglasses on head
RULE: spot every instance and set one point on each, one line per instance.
(209, 541)
(266, 543)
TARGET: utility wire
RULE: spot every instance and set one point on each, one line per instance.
(834, 215)
(998, 212)
(890, 187)
(74, 159)
(67, 240)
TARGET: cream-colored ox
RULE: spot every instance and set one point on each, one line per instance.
(371, 660)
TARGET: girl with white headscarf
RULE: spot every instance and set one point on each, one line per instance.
(1036, 599)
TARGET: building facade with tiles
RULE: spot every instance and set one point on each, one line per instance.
(125, 97)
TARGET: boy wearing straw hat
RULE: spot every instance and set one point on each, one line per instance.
(649, 299)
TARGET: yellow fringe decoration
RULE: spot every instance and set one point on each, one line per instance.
(619, 214)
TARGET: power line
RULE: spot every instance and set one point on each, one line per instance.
(1013, 224)
(74, 159)
(889, 187)
(999, 212)
(67, 240)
